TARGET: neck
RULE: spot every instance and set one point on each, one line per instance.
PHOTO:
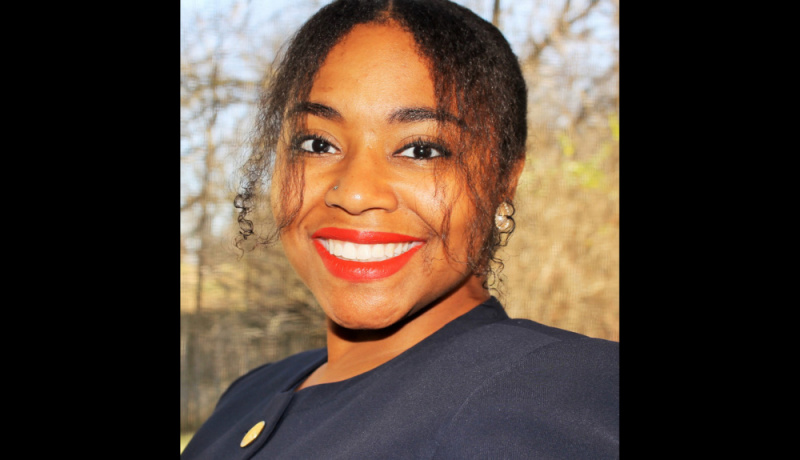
(353, 352)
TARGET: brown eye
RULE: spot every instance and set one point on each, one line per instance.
(422, 151)
(317, 145)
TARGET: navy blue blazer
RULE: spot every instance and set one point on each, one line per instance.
(483, 386)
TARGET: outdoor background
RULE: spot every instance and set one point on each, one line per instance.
(561, 264)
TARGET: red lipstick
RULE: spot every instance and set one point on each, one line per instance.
(362, 236)
(356, 271)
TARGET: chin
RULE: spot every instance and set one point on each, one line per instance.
(361, 315)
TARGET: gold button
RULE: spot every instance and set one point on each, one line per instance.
(252, 434)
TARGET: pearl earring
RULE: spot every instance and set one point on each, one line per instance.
(502, 218)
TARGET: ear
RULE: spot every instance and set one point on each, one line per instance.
(513, 179)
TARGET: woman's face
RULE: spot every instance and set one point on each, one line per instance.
(367, 238)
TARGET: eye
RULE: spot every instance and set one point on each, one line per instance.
(421, 150)
(316, 145)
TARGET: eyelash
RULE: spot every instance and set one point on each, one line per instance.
(300, 140)
(424, 144)
(416, 143)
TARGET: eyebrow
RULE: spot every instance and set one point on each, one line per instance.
(317, 109)
(401, 115)
(414, 114)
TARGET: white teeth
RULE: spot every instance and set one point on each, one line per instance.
(349, 251)
(366, 252)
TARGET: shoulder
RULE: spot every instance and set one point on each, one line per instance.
(249, 391)
(552, 364)
(521, 343)
(270, 377)
(530, 354)
(552, 394)
(559, 346)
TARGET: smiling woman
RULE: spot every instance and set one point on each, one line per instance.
(371, 132)
(396, 135)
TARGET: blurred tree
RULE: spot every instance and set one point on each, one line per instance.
(239, 311)
(210, 95)
(245, 308)
(562, 262)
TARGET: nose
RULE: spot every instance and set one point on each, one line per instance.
(362, 184)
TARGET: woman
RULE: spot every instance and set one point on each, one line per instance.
(398, 130)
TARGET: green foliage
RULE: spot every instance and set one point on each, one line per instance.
(591, 172)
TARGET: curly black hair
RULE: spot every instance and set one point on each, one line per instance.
(476, 75)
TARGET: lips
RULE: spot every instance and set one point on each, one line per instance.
(356, 255)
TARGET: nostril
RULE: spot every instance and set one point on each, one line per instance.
(356, 188)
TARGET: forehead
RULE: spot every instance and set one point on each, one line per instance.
(375, 64)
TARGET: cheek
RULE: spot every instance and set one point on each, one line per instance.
(462, 221)
(449, 215)
(284, 192)
(276, 188)
(274, 202)
(444, 207)
(465, 229)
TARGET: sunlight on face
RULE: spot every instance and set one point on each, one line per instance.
(366, 240)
